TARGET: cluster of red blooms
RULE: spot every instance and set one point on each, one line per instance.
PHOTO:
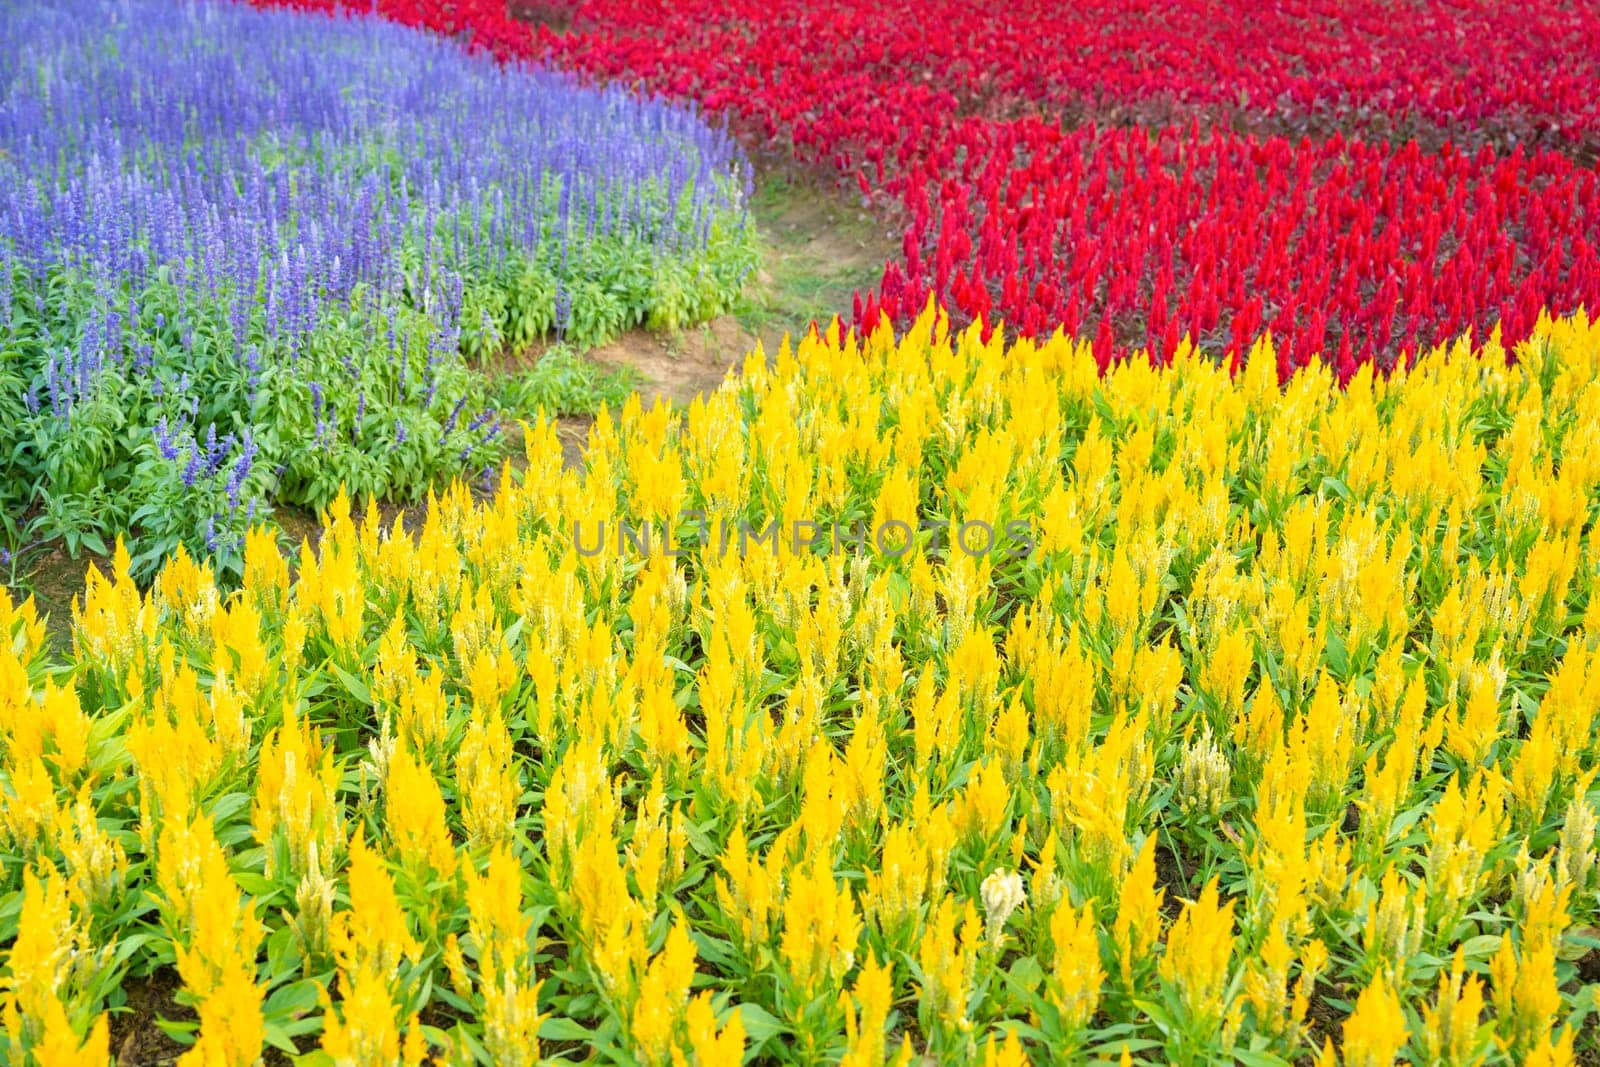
(1137, 172)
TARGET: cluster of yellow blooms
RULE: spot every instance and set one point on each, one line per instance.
(1279, 744)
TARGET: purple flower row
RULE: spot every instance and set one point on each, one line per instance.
(276, 160)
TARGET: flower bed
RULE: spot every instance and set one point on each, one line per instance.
(1271, 725)
(1138, 236)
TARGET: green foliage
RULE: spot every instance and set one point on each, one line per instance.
(200, 440)
(608, 282)
(563, 382)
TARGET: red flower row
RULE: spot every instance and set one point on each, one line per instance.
(1521, 72)
(1136, 234)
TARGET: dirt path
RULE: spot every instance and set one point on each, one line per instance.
(819, 247)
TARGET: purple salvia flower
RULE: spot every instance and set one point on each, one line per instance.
(241, 468)
(164, 443)
(450, 423)
(191, 470)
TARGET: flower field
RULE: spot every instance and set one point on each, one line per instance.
(231, 233)
(1158, 624)
(1282, 732)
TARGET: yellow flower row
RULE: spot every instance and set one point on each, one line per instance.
(1276, 740)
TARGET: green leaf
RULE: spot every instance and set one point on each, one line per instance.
(283, 953)
(1258, 1059)
(353, 685)
(279, 1038)
(255, 884)
(181, 1032)
(293, 999)
(1026, 973)
(560, 1029)
(760, 1025)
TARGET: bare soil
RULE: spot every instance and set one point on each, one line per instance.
(573, 433)
(54, 581)
(136, 1040)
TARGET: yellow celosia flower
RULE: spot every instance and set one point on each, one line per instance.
(1280, 1010)
(1524, 992)
(610, 920)
(1553, 1051)
(648, 852)
(1004, 1054)
(231, 1025)
(51, 961)
(216, 937)
(115, 628)
(867, 1014)
(1396, 924)
(508, 994)
(1139, 921)
(820, 928)
(64, 723)
(948, 962)
(1260, 728)
(1471, 736)
(297, 786)
(363, 1031)
(237, 648)
(486, 779)
(1077, 974)
(1577, 839)
(94, 860)
(30, 803)
(370, 941)
(1198, 952)
(1097, 790)
(1375, 1032)
(937, 721)
(822, 808)
(662, 730)
(1326, 743)
(60, 1045)
(1461, 828)
(374, 935)
(266, 572)
(1227, 667)
(415, 816)
(1278, 863)
(663, 997)
(494, 908)
(983, 802)
(710, 1045)
(1450, 1024)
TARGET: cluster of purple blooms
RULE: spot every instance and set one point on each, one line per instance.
(188, 185)
(209, 456)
